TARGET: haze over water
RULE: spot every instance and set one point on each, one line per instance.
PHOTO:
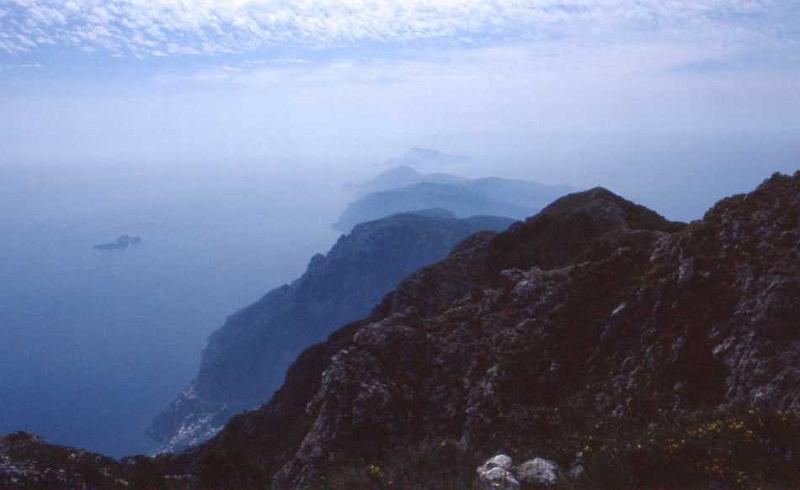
(93, 343)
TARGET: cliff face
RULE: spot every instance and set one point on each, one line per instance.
(594, 311)
(247, 358)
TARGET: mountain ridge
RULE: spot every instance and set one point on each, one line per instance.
(403, 189)
(649, 354)
(396, 380)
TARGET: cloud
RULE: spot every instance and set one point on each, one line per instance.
(178, 27)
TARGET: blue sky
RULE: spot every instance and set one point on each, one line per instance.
(361, 80)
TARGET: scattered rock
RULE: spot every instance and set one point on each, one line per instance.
(496, 474)
(538, 471)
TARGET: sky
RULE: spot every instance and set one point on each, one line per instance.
(575, 91)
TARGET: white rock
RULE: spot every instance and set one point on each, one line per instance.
(499, 461)
(496, 474)
(538, 471)
(497, 479)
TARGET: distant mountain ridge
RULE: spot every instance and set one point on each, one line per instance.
(428, 157)
(247, 358)
(403, 189)
(401, 176)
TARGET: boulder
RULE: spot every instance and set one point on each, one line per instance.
(499, 461)
(496, 474)
(538, 471)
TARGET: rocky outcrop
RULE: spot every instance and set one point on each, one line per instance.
(497, 474)
(538, 472)
(26, 462)
(592, 311)
(247, 358)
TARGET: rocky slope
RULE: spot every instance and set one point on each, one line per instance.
(26, 462)
(593, 318)
(246, 359)
(597, 343)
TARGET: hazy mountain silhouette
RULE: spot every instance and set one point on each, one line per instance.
(404, 189)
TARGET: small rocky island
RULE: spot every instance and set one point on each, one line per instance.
(121, 243)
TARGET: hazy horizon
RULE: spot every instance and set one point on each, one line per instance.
(643, 97)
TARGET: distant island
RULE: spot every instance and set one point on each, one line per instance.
(403, 189)
(121, 243)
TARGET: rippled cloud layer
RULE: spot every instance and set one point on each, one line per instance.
(168, 27)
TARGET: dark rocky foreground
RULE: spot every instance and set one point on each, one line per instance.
(620, 349)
